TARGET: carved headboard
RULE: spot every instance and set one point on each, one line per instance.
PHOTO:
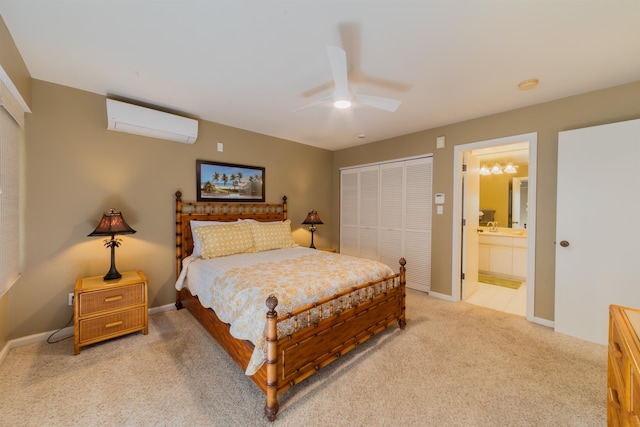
(218, 211)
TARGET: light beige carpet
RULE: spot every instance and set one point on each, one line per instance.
(456, 364)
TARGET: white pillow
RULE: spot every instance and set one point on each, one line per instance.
(197, 245)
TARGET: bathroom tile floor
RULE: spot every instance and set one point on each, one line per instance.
(499, 298)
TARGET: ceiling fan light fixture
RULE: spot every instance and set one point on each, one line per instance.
(342, 97)
(342, 104)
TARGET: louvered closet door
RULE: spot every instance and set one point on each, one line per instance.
(359, 207)
(386, 215)
(417, 222)
(349, 212)
(392, 195)
(368, 212)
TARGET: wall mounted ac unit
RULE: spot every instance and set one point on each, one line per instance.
(123, 117)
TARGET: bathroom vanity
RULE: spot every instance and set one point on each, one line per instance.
(503, 253)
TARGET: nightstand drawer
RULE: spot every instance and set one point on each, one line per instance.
(110, 299)
(110, 325)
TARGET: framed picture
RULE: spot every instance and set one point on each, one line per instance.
(219, 182)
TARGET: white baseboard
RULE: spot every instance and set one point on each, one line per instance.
(32, 339)
(166, 307)
(68, 331)
(442, 296)
(5, 351)
(544, 322)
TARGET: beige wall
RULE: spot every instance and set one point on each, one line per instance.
(15, 68)
(12, 63)
(605, 106)
(75, 169)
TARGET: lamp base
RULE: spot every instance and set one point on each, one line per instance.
(111, 275)
(312, 229)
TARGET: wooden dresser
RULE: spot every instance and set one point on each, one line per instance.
(623, 374)
(105, 309)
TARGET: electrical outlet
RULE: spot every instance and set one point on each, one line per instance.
(70, 298)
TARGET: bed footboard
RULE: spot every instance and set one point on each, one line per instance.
(328, 329)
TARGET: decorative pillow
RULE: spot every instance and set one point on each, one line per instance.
(197, 251)
(225, 239)
(272, 235)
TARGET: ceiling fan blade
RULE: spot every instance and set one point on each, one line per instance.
(314, 103)
(338, 62)
(386, 104)
(327, 86)
(351, 38)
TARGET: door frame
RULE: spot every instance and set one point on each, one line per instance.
(456, 256)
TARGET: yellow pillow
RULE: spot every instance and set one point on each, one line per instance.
(222, 240)
(271, 235)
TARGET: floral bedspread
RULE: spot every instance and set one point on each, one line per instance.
(296, 276)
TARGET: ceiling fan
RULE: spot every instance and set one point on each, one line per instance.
(342, 96)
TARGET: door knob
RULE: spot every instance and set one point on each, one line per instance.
(564, 243)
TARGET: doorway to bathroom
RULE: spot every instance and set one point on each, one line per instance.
(495, 232)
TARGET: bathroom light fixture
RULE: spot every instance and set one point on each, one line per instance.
(510, 168)
(498, 170)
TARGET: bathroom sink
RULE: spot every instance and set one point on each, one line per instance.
(515, 233)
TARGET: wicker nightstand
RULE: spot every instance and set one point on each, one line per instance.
(105, 309)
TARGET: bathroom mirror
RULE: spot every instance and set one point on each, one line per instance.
(497, 199)
(518, 205)
(498, 202)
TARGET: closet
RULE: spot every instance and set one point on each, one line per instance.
(385, 214)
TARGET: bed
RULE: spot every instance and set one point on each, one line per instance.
(295, 338)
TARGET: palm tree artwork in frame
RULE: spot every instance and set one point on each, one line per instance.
(218, 182)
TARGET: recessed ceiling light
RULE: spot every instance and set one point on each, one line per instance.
(528, 84)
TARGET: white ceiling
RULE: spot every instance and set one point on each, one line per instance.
(250, 64)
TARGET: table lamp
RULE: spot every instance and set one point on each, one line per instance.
(112, 223)
(312, 219)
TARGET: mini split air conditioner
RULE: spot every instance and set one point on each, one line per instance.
(123, 117)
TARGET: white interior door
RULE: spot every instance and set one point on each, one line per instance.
(471, 207)
(597, 240)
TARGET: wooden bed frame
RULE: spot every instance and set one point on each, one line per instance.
(374, 306)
